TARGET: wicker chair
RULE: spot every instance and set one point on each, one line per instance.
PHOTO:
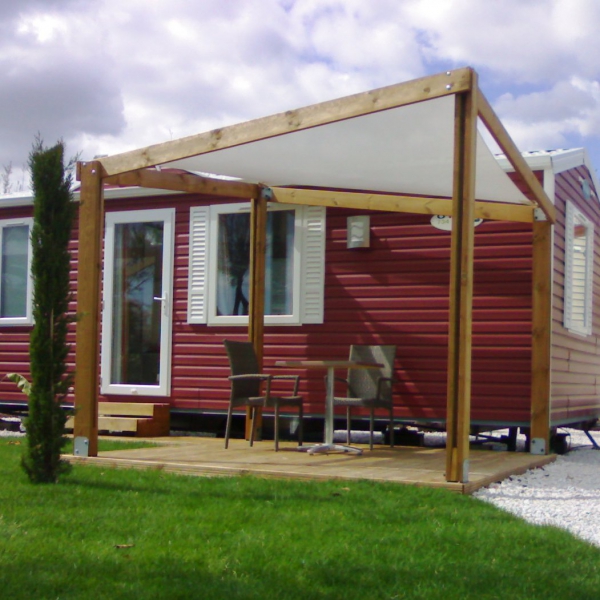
(246, 383)
(370, 388)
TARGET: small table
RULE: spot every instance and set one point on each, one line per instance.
(331, 366)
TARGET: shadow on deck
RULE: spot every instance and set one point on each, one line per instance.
(406, 465)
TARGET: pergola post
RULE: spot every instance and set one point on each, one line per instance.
(256, 317)
(91, 210)
(458, 417)
(541, 336)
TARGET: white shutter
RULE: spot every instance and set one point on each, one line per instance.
(568, 291)
(313, 265)
(589, 291)
(198, 270)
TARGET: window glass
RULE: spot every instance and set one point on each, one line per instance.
(233, 263)
(14, 275)
(578, 270)
(137, 273)
(579, 236)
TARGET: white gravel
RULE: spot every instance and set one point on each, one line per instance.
(565, 493)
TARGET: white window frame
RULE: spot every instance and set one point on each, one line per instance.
(308, 269)
(26, 319)
(138, 216)
(575, 217)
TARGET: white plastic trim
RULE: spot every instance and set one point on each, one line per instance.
(27, 318)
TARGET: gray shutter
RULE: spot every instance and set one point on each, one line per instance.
(198, 269)
(313, 265)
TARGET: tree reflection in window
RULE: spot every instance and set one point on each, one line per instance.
(233, 263)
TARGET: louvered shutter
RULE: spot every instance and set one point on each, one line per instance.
(568, 291)
(198, 269)
(313, 265)
(589, 291)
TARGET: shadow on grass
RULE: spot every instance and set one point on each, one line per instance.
(241, 487)
(126, 573)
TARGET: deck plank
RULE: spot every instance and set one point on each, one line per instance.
(404, 465)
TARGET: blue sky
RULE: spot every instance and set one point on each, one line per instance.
(112, 75)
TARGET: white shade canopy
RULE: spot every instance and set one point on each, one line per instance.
(394, 145)
(406, 150)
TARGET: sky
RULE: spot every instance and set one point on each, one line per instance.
(108, 76)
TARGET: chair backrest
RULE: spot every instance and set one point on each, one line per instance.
(243, 361)
(363, 383)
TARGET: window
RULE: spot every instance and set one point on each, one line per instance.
(15, 272)
(220, 262)
(579, 269)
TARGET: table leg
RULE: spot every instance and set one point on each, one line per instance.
(329, 446)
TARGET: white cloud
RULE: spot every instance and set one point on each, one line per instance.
(546, 119)
(532, 41)
(109, 76)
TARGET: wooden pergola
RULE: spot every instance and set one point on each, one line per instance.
(251, 153)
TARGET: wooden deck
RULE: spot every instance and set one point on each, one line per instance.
(404, 465)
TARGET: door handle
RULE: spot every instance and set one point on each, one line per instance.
(164, 299)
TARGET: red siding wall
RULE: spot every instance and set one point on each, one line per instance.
(575, 358)
(394, 292)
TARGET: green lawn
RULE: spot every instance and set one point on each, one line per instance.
(104, 533)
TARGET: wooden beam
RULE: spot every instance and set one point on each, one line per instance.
(256, 317)
(184, 182)
(492, 211)
(87, 346)
(458, 417)
(500, 135)
(541, 333)
(365, 103)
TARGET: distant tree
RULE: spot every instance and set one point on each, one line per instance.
(5, 178)
(50, 379)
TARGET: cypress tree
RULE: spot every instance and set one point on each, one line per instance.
(54, 211)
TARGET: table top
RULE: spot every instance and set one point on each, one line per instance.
(327, 364)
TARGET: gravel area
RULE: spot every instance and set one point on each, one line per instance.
(565, 493)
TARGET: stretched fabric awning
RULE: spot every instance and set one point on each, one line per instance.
(404, 150)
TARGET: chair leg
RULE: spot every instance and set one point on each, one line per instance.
(277, 427)
(228, 425)
(348, 425)
(252, 417)
(391, 426)
(300, 425)
(371, 424)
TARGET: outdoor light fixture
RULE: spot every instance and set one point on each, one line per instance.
(358, 232)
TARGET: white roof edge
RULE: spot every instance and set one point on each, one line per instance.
(16, 199)
(556, 160)
(26, 198)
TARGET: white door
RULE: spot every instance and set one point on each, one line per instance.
(137, 307)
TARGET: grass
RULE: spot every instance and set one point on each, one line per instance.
(104, 445)
(107, 533)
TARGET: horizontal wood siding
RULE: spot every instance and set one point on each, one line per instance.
(575, 376)
(395, 292)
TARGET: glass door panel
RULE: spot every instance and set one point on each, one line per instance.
(137, 310)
